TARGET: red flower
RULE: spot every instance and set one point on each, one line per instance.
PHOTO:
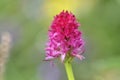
(64, 37)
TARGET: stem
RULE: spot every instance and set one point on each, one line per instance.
(69, 71)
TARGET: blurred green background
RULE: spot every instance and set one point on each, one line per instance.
(28, 22)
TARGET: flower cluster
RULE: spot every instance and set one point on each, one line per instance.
(64, 38)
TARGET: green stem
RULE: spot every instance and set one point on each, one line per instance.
(69, 71)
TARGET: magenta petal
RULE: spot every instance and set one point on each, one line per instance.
(49, 58)
(80, 57)
(62, 57)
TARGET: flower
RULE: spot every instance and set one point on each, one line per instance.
(65, 40)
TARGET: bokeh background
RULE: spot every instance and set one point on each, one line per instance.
(28, 22)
